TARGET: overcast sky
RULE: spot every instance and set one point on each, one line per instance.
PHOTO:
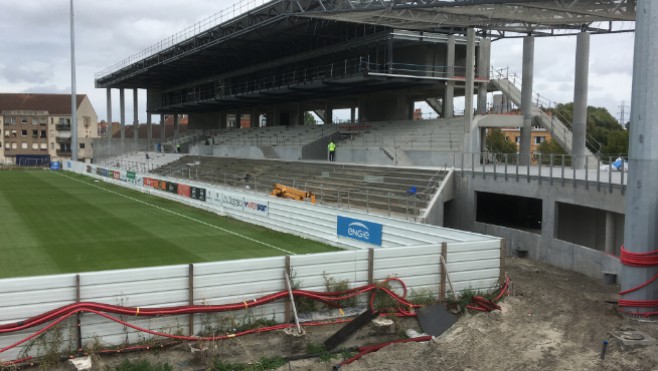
(35, 50)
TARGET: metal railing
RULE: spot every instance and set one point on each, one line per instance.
(552, 169)
(547, 110)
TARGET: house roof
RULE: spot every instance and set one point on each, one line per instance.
(55, 104)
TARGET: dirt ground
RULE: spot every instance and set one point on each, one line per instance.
(553, 320)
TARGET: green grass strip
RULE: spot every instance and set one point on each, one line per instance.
(62, 223)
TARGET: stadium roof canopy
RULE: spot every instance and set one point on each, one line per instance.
(283, 28)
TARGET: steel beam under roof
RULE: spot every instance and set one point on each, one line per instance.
(282, 28)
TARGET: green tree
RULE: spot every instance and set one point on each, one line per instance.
(550, 146)
(617, 143)
(600, 125)
(309, 119)
(497, 143)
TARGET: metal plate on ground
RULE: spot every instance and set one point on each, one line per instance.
(435, 319)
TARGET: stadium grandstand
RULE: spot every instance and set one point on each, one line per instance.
(246, 86)
(259, 94)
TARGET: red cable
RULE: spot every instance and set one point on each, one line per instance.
(373, 348)
(634, 259)
(638, 259)
(482, 304)
(57, 315)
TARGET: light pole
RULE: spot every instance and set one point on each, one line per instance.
(74, 103)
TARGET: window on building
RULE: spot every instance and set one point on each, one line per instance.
(43, 120)
(43, 146)
(10, 120)
(14, 145)
(82, 146)
(7, 145)
(13, 133)
(539, 140)
(517, 140)
(23, 120)
(35, 134)
(64, 121)
(35, 145)
(87, 121)
(24, 133)
(43, 134)
(23, 145)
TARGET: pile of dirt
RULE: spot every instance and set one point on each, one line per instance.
(553, 319)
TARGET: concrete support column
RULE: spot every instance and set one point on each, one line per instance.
(352, 114)
(176, 129)
(135, 118)
(253, 118)
(526, 97)
(484, 64)
(109, 114)
(222, 120)
(300, 115)
(163, 131)
(580, 101)
(122, 115)
(610, 232)
(641, 198)
(449, 95)
(328, 113)
(470, 77)
(149, 131)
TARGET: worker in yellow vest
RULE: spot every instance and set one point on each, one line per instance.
(332, 150)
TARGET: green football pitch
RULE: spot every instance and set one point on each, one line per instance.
(60, 222)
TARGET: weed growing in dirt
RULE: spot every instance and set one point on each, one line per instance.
(334, 285)
(422, 297)
(142, 365)
(303, 305)
(466, 297)
(383, 301)
(262, 364)
(48, 347)
(313, 348)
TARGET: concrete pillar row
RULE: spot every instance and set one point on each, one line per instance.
(176, 129)
(163, 134)
(109, 114)
(135, 117)
(122, 114)
(449, 95)
(580, 101)
(641, 198)
(149, 130)
(526, 97)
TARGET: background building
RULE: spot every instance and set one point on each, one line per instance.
(37, 127)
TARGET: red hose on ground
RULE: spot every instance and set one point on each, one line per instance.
(482, 304)
(633, 259)
(373, 348)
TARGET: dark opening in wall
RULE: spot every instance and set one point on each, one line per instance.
(509, 211)
(589, 227)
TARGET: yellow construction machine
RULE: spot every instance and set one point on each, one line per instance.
(296, 194)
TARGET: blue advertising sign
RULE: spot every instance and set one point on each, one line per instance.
(360, 230)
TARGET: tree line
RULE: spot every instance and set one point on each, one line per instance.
(606, 136)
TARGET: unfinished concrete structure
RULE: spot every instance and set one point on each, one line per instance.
(376, 59)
